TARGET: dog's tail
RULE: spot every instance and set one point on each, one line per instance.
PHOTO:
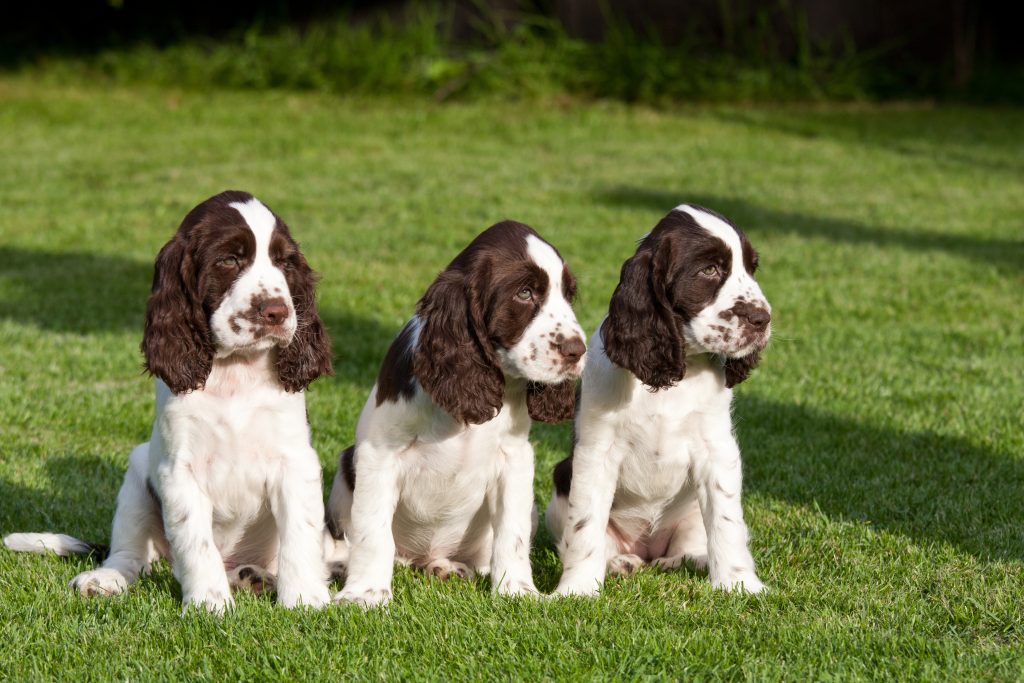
(59, 544)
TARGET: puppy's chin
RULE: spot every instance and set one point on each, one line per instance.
(254, 346)
(552, 373)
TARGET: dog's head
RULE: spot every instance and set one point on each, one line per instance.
(232, 280)
(689, 288)
(502, 308)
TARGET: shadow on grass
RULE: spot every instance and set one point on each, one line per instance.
(86, 293)
(942, 137)
(1005, 254)
(928, 487)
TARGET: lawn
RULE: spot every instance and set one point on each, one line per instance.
(882, 440)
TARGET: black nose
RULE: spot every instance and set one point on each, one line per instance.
(572, 349)
(758, 317)
(274, 311)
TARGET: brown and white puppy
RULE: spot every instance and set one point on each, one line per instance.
(441, 475)
(229, 485)
(655, 472)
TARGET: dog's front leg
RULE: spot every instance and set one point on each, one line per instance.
(372, 542)
(595, 468)
(188, 524)
(298, 508)
(511, 503)
(719, 481)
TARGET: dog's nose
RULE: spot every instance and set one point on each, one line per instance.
(273, 311)
(572, 349)
(758, 317)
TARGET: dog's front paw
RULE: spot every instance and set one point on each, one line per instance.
(514, 588)
(364, 597)
(746, 582)
(585, 589)
(314, 597)
(213, 600)
(100, 582)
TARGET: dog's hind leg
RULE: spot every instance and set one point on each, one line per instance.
(137, 537)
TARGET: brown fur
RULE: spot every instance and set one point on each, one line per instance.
(188, 285)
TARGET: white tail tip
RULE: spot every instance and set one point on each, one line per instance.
(47, 543)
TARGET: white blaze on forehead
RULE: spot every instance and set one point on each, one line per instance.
(537, 356)
(720, 229)
(544, 255)
(231, 323)
(261, 221)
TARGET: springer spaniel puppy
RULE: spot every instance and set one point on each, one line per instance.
(441, 474)
(229, 486)
(655, 471)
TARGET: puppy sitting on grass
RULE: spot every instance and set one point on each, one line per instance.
(229, 486)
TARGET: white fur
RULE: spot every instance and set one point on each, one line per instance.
(708, 331)
(555, 319)
(261, 280)
(664, 468)
(58, 544)
(234, 470)
(657, 475)
(451, 498)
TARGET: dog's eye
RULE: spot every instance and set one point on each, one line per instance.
(709, 271)
(283, 262)
(228, 262)
(524, 294)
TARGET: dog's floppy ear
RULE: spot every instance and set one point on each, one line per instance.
(551, 402)
(176, 342)
(454, 361)
(738, 369)
(641, 333)
(309, 354)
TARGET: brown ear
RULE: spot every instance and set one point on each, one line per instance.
(176, 341)
(308, 356)
(738, 369)
(641, 333)
(454, 362)
(551, 402)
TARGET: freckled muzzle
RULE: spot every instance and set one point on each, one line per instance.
(571, 351)
(266, 317)
(752, 320)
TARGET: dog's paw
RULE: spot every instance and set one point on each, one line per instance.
(516, 588)
(364, 597)
(746, 582)
(313, 597)
(445, 569)
(251, 577)
(624, 565)
(213, 600)
(99, 582)
(584, 589)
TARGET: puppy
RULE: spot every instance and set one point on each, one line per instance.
(229, 486)
(655, 471)
(441, 475)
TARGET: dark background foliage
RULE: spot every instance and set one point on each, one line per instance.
(651, 50)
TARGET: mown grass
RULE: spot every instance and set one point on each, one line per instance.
(882, 440)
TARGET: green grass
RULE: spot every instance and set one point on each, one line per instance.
(882, 440)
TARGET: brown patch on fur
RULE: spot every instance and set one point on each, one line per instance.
(468, 313)
(396, 379)
(190, 281)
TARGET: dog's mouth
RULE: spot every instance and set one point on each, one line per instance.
(728, 341)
